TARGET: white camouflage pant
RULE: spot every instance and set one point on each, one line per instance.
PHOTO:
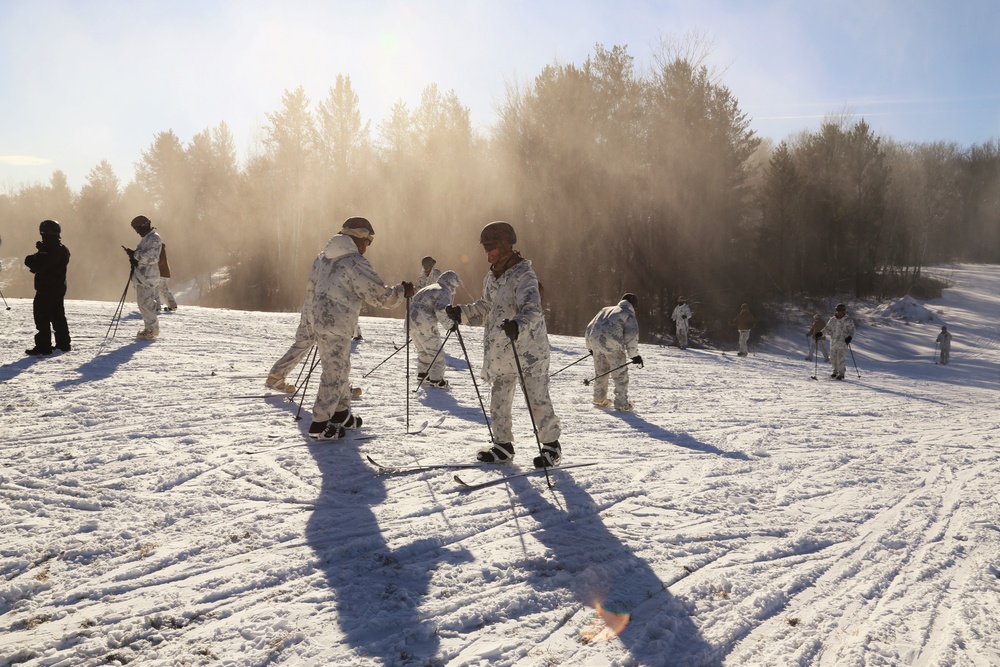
(744, 338)
(817, 346)
(164, 294)
(304, 341)
(334, 393)
(604, 362)
(502, 401)
(838, 357)
(682, 334)
(427, 342)
(146, 299)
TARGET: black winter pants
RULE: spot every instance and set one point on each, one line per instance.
(50, 317)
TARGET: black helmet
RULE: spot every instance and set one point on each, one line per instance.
(631, 298)
(49, 227)
(498, 232)
(140, 221)
(427, 262)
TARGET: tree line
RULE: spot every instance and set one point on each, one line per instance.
(615, 180)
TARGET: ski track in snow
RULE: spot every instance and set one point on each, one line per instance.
(745, 514)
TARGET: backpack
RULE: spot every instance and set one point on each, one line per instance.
(164, 266)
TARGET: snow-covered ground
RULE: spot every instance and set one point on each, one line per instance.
(745, 514)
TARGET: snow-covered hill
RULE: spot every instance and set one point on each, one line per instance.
(152, 514)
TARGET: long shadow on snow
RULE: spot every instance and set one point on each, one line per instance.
(602, 569)
(378, 589)
(679, 439)
(104, 365)
(15, 368)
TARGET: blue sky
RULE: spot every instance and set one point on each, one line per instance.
(86, 81)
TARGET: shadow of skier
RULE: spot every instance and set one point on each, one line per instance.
(602, 569)
(377, 589)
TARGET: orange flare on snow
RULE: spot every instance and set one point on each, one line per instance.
(606, 624)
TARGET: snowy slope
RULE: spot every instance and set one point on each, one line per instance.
(744, 515)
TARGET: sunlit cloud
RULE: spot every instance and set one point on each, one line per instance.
(23, 160)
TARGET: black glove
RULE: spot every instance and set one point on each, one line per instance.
(684, 317)
(408, 290)
(454, 312)
(849, 339)
(819, 334)
(510, 328)
(637, 360)
(38, 245)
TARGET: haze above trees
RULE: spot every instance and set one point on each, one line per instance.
(616, 180)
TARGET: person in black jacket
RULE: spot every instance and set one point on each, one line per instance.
(49, 266)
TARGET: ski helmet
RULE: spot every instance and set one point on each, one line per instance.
(498, 232)
(140, 221)
(631, 298)
(49, 227)
(358, 227)
(428, 262)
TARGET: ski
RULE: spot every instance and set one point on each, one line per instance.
(470, 486)
(290, 397)
(423, 426)
(383, 469)
(312, 441)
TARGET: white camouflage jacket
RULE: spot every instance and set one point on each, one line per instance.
(513, 296)
(837, 330)
(428, 305)
(680, 311)
(147, 256)
(342, 280)
(425, 279)
(614, 328)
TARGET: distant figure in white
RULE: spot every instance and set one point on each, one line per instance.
(744, 322)
(681, 316)
(430, 275)
(613, 338)
(427, 310)
(840, 330)
(145, 260)
(817, 341)
(944, 338)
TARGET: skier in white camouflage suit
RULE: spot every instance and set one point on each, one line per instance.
(840, 331)
(145, 260)
(429, 275)
(340, 282)
(613, 338)
(510, 311)
(427, 310)
(681, 317)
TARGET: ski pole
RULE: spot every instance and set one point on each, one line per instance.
(386, 359)
(121, 306)
(407, 365)
(458, 333)
(854, 360)
(935, 349)
(531, 412)
(8, 307)
(302, 368)
(587, 382)
(589, 354)
(436, 355)
(312, 366)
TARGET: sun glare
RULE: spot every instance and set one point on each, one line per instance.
(605, 625)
